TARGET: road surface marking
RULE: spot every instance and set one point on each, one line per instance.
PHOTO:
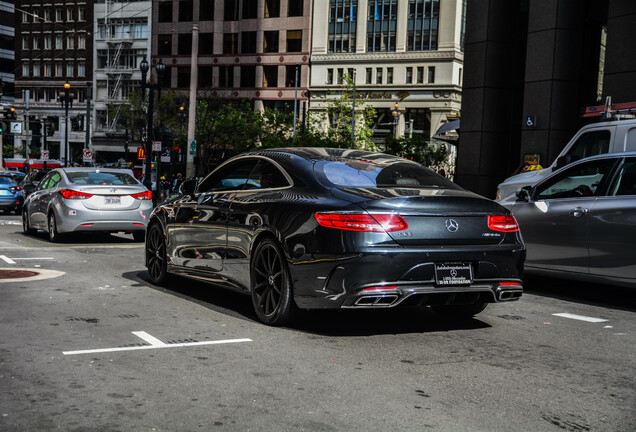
(580, 317)
(154, 344)
(6, 259)
(36, 258)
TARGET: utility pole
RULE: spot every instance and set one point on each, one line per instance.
(190, 170)
(89, 95)
(27, 96)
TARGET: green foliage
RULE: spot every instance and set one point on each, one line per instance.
(419, 150)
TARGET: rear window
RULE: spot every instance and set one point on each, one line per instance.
(100, 178)
(6, 180)
(367, 174)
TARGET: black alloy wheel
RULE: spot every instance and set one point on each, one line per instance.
(26, 226)
(156, 258)
(54, 235)
(270, 283)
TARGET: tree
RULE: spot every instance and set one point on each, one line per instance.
(418, 150)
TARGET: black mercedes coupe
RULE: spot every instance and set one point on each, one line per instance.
(319, 228)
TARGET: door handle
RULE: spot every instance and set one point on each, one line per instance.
(579, 211)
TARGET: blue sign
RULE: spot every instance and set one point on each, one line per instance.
(531, 121)
(193, 147)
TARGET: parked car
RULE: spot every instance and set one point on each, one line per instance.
(30, 182)
(580, 222)
(597, 138)
(16, 175)
(334, 228)
(88, 199)
(11, 198)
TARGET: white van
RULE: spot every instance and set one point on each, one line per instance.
(596, 138)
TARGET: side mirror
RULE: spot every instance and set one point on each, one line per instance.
(524, 193)
(188, 187)
(563, 161)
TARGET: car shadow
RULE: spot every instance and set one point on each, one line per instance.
(341, 322)
(594, 294)
(82, 238)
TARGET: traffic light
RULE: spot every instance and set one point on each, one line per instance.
(10, 113)
(2, 127)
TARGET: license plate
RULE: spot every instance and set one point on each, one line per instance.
(112, 200)
(453, 274)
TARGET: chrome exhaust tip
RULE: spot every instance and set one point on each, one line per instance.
(508, 293)
(377, 300)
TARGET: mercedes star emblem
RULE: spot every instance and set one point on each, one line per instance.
(451, 225)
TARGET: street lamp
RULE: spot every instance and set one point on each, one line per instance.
(66, 99)
(396, 115)
(144, 67)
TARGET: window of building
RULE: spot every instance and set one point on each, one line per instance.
(164, 42)
(70, 41)
(81, 13)
(47, 69)
(295, 8)
(70, 68)
(369, 76)
(81, 68)
(272, 8)
(226, 76)
(59, 41)
(36, 41)
(248, 42)
(342, 26)
(36, 69)
(47, 14)
(409, 75)
(421, 120)
(230, 43)
(25, 68)
(184, 44)
(422, 26)
(381, 25)
(206, 10)
(58, 13)
(248, 76)
(183, 77)
(249, 9)
(330, 76)
(389, 75)
(25, 17)
(58, 69)
(206, 43)
(164, 10)
(81, 41)
(294, 40)
(290, 75)
(420, 75)
(185, 10)
(378, 75)
(25, 42)
(270, 42)
(70, 13)
(48, 43)
(431, 74)
(204, 77)
(230, 12)
(270, 76)
(460, 76)
(340, 75)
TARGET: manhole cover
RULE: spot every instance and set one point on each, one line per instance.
(17, 274)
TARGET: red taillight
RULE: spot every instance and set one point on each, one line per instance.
(382, 287)
(147, 195)
(503, 223)
(362, 222)
(71, 194)
(510, 283)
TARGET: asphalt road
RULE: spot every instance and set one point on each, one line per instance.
(96, 347)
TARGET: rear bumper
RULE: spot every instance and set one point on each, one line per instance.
(71, 219)
(11, 202)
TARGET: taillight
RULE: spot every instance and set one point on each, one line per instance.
(503, 223)
(147, 195)
(71, 194)
(362, 222)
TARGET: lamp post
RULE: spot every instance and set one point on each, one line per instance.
(66, 99)
(161, 68)
(396, 115)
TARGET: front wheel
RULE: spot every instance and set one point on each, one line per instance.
(460, 311)
(270, 284)
(156, 258)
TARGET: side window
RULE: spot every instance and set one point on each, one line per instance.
(266, 176)
(54, 180)
(630, 140)
(45, 181)
(579, 181)
(229, 177)
(590, 144)
(625, 182)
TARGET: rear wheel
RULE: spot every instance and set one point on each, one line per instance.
(271, 284)
(54, 235)
(460, 311)
(156, 258)
(26, 226)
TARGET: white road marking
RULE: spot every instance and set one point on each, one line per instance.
(7, 259)
(154, 344)
(580, 317)
(41, 258)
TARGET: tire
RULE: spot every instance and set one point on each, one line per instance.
(54, 235)
(139, 236)
(460, 311)
(26, 225)
(270, 284)
(156, 259)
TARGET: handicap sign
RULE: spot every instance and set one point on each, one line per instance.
(531, 121)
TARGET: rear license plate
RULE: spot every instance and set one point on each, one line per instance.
(112, 200)
(453, 273)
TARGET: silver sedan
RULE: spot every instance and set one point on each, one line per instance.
(88, 199)
(580, 222)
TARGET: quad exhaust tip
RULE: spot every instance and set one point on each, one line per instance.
(509, 293)
(378, 300)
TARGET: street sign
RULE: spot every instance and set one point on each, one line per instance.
(141, 153)
(193, 147)
(45, 154)
(156, 146)
(16, 127)
(88, 155)
(531, 121)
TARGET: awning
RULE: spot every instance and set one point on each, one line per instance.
(448, 132)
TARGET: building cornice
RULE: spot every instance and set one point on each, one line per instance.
(409, 56)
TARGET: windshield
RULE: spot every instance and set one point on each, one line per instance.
(100, 178)
(368, 174)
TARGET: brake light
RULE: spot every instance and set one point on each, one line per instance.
(362, 222)
(381, 287)
(71, 194)
(506, 223)
(147, 195)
